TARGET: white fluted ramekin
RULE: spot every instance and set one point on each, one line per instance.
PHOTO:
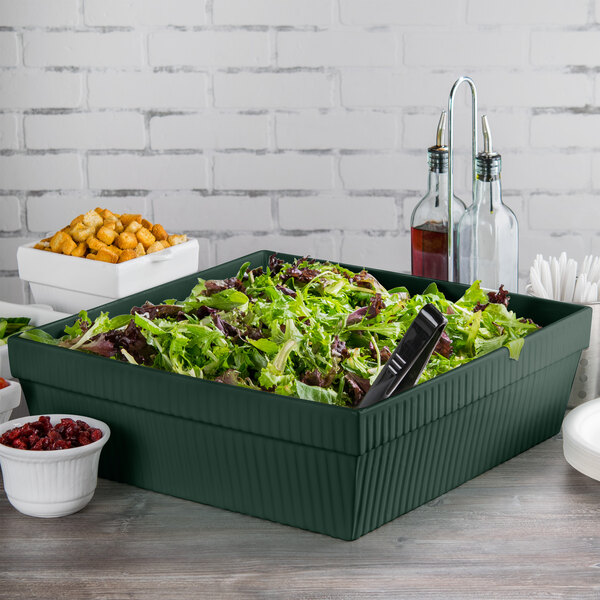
(51, 483)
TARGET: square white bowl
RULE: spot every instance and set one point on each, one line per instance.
(72, 284)
(10, 397)
(39, 315)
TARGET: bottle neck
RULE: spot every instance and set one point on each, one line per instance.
(437, 184)
(488, 193)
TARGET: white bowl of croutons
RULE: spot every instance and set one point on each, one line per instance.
(102, 256)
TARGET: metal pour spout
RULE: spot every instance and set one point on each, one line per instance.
(487, 135)
(439, 138)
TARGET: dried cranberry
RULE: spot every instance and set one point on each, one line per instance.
(41, 435)
(95, 434)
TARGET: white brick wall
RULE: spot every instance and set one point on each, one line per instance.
(559, 48)
(357, 130)
(295, 125)
(248, 90)
(9, 132)
(9, 49)
(272, 12)
(220, 131)
(41, 172)
(185, 212)
(89, 50)
(532, 12)
(577, 130)
(33, 88)
(336, 49)
(467, 49)
(121, 13)
(209, 49)
(343, 213)
(273, 172)
(10, 214)
(133, 172)
(149, 91)
(90, 130)
(39, 13)
(406, 13)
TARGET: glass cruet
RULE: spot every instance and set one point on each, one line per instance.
(488, 232)
(429, 219)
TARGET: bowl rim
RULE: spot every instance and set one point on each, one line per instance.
(123, 266)
(50, 455)
(11, 383)
(10, 396)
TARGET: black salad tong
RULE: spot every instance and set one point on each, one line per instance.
(410, 357)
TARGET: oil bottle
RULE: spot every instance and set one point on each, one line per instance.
(429, 220)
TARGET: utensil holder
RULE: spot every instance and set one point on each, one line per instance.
(586, 385)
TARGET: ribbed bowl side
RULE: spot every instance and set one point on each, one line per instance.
(310, 488)
(50, 481)
(400, 475)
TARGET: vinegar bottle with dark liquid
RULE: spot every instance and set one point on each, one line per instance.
(429, 220)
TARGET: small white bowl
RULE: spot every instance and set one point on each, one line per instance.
(51, 483)
(10, 397)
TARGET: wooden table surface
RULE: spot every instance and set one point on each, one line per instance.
(530, 528)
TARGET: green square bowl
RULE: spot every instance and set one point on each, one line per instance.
(329, 469)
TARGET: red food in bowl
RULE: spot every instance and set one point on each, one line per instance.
(42, 435)
(3, 383)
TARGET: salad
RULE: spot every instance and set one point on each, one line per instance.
(11, 325)
(309, 329)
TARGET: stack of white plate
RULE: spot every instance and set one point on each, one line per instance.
(581, 438)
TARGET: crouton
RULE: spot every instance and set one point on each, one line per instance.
(156, 247)
(80, 250)
(177, 239)
(76, 220)
(101, 234)
(106, 235)
(58, 239)
(95, 244)
(127, 240)
(158, 231)
(106, 254)
(127, 255)
(68, 245)
(127, 218)
(133, 227)
(145, 237)
(80, 232)
(93, 219)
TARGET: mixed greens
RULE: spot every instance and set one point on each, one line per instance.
(11, 325)
(309, 329)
